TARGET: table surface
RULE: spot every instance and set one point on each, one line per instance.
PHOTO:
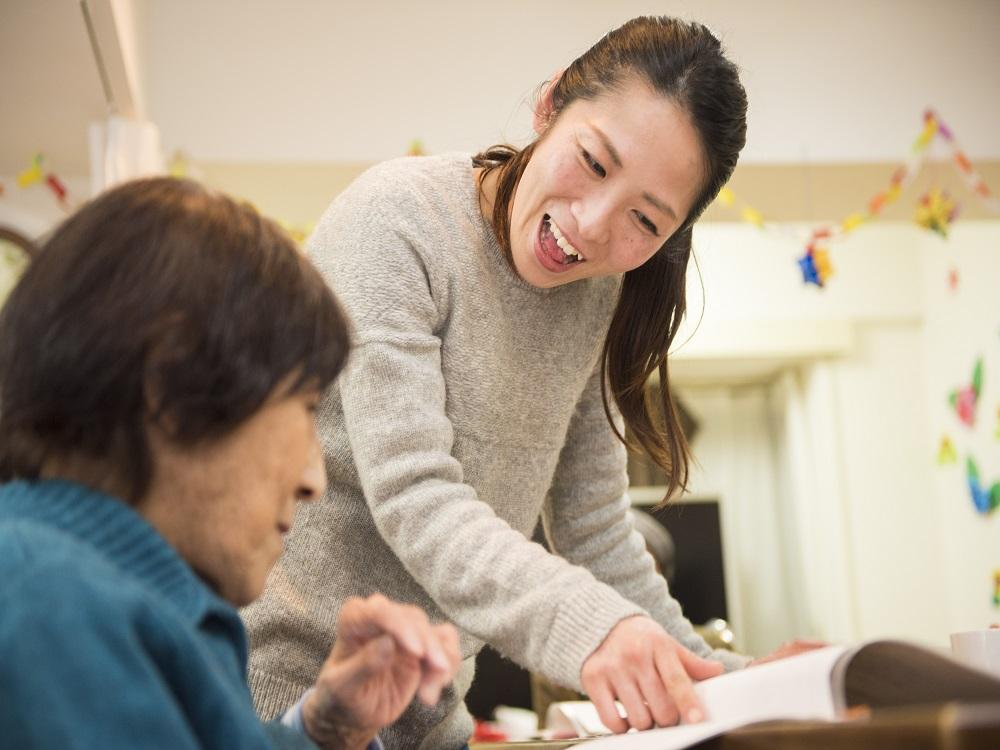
(952, 726)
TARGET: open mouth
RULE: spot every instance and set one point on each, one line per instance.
(555, 245)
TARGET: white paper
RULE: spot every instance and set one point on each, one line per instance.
(794, 688)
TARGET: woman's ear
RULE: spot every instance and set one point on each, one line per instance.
(543, 107)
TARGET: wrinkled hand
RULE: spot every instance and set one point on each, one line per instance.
(384, 654)
(791, 648)
(649, 672)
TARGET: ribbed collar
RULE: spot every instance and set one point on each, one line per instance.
(121, 535)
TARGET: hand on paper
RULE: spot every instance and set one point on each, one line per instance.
(649, 673)
(385, 653)
(791, 648)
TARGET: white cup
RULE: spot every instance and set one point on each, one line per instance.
(978, 648)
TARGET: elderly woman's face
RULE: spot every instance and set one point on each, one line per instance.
(226, 506)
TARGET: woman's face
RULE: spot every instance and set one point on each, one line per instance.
(226, 506)
(609, 181)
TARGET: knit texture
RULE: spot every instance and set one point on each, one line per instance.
(470, 407)
(108, 638)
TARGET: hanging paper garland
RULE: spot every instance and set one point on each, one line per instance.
(938, 209)
(747, 212)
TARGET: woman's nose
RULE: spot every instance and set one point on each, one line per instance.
(312, 484)
(593, 218)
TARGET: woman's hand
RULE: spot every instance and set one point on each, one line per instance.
(385, 653)
(650, 673)
(791, 648)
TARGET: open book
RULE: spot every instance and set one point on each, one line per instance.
(819, 684)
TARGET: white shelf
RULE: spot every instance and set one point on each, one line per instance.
(649, 495)
(747, 351)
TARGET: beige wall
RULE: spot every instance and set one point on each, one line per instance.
(298, 193)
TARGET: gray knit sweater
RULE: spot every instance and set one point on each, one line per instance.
(470, 407)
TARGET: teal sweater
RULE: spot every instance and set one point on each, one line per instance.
(108, 639)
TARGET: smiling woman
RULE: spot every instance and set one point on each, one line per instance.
(598, 196)
(508, 307)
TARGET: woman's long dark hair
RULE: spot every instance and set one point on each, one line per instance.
(684, 62)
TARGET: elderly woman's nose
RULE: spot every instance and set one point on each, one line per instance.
(312, 485)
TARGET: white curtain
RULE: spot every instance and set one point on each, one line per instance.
(811, 504)
(736, 463)
(772, 454)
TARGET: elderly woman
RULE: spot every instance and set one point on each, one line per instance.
(160, 366)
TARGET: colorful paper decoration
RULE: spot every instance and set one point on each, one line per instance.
(946, 452)
(32, 174)
(936, 211)
(57, 187)
(984, 500)
(298, 232)
(953, 279)
(178, 166)
(815, 265)
(996, 587)
(963, 400)
(808, 268)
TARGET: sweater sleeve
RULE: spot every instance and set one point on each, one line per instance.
(586, 520)
(485, 576)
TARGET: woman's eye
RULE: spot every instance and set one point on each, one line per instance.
(595, 166)
(650, 226)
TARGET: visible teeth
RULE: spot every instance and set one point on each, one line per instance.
(563, 243)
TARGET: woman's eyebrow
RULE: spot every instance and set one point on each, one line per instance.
(661, 205)
(612, 151)
(617, 159)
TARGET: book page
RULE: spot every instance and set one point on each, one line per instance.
(798, 687)
(817, 685)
